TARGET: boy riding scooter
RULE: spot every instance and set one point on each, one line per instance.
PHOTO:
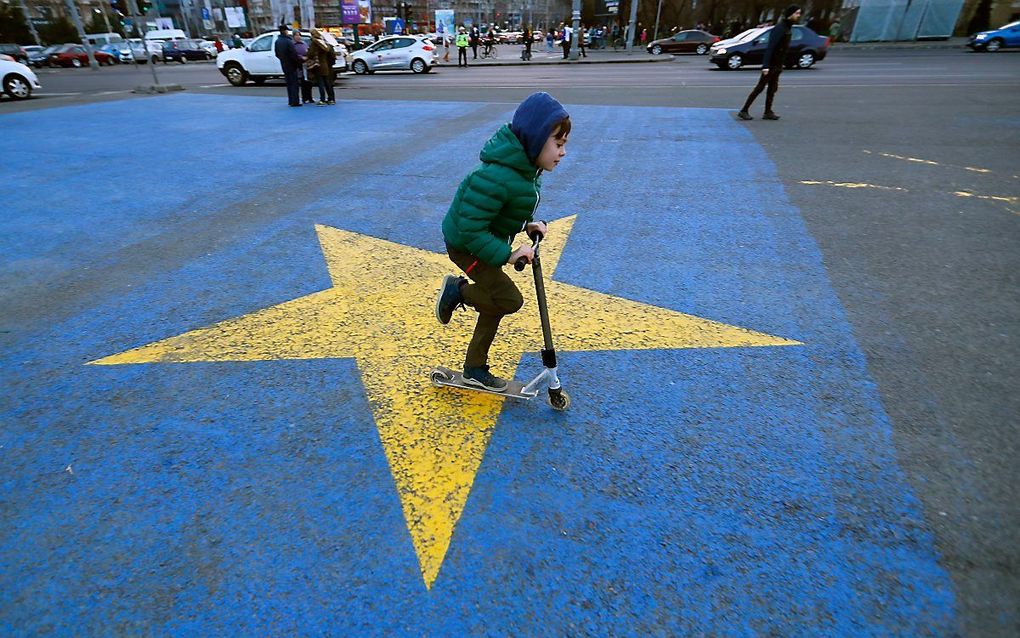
(494, 202)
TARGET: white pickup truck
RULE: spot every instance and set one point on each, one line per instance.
(257, 61)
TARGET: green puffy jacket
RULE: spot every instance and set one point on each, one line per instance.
(495, 201)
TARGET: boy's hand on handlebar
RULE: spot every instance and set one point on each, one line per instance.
(525, 251)
(536, 227)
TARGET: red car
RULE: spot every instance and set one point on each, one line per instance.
(76, 56)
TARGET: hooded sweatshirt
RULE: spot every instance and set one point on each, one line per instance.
(499, 197)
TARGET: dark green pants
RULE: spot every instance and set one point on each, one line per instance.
(493, 294)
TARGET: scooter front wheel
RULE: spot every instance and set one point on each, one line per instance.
(558, 399)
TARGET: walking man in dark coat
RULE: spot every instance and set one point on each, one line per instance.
(772, 65)
(290, 61)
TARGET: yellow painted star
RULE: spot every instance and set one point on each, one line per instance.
(379, 311)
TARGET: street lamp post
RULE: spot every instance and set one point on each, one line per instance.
(106, 19)
(72, 9)
(631, 36)
(31, 25)
(575, 18)
(658, 12)
(137, 20)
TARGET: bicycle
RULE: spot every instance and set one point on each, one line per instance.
(489, 51)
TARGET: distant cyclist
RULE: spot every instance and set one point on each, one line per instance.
(490, 44)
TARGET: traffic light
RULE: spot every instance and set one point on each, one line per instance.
(144, 6)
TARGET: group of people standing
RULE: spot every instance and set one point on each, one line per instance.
(567, 39)
(306, 64)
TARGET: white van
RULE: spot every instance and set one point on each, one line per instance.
(166, 34)
(99, 39)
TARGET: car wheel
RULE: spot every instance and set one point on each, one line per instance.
(993, 45)
(183, 59)
(153, 59)
(734, 62)
(236, 75)
(806, 60)
(360, 67)
(656, 50)
(17, 87)
(418, 65)
(702, 49)
(76, 63)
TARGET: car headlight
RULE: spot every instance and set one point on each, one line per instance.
(981, 36)
(721, 51)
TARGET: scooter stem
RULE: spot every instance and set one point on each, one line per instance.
(549, 354)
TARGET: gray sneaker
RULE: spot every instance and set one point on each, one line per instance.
(482, 378)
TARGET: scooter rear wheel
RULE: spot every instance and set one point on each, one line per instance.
(438, 378)
(558, 399)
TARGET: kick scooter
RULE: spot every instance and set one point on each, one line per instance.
(558, 398)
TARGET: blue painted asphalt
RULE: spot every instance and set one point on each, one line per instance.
(740, 491)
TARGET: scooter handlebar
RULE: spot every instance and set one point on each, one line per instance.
(536, 239)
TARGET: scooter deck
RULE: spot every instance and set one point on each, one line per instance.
(445, 377)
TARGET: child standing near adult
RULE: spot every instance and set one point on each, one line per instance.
(497, 200)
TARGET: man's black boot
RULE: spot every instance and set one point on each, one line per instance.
(744, 115)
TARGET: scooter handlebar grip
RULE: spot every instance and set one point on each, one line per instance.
(520, 263)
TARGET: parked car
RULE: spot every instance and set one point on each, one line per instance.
(126, 52)
(991, 41)
(257, 61)
(31, 50)
(184, 50)
(518, 37)
(18, 80)
(76, 56)
(153, 48)
(806, 48)
(119, 54)
(42, 58)
(209, 46)
(690, 41)
(397, 53)
(15, 51)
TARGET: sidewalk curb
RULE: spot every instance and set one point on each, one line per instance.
(666, 58)
(152, 89)
(899, 46)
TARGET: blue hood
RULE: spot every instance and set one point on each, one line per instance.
(534, 120)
